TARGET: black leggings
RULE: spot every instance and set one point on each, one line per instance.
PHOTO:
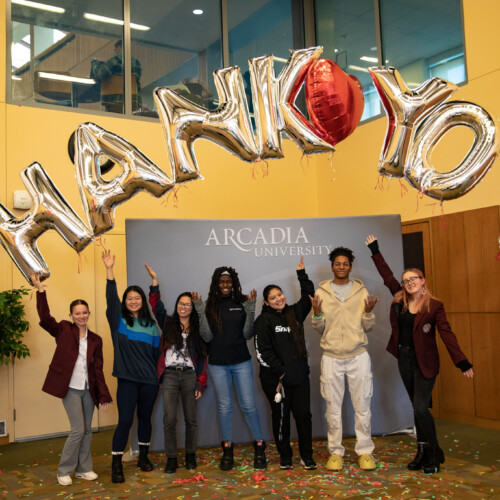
(419, 389)
(296, 400)
(130, 395)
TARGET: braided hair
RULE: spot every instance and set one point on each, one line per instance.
(212, 310)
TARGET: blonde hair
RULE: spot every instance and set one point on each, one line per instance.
(402, 296)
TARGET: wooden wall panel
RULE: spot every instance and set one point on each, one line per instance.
(449, 262)
(456, 390)
(485, 329)
(481, 231)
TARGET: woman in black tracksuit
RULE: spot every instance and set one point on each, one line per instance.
(284, 372)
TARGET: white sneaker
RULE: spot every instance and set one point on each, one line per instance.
(88, 476)
(65, 480)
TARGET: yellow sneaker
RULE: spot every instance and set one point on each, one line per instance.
(335, 462)
(366, 462)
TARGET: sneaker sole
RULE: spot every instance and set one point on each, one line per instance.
(308, 467)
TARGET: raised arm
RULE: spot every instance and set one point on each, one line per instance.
(113, 309)
(249, 307)
(382, 267)
(157, 304)
(303, 306)
(47, 322)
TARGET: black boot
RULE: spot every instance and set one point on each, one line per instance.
(117, 469)
(259, 456)
(143, 461)
(433, 456)
(191, 461)
(227, 460)
(418, 461)
(171, 466)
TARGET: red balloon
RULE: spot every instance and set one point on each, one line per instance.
(334, 101)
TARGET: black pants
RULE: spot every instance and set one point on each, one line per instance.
(297, 400)
(419, 389)
(130, 395)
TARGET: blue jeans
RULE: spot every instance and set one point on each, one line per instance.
(222, 378)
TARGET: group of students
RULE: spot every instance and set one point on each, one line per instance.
(216, 332)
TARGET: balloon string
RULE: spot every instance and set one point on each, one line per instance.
(380, 183)
(173, 193)
(404, 188)
(100, 242)
(302, 164)
(443, 220)
(264, 168)
(80, 264)
(420, 196)
(332, 168)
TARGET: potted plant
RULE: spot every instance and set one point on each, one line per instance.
(13, 325)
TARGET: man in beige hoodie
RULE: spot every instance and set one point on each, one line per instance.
(342, 313)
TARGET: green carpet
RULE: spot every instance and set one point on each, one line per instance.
(470, 471)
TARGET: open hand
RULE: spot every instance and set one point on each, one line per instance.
(153, 275)
(469, 373)
(108, 259)
(370, 239)
(104, 406)
(316, 304)
(370, 302)
(196, 296)
(252, 295)
(35, 279)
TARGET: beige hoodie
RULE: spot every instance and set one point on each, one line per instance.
(343, 325)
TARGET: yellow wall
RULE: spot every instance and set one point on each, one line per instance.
(294, 187)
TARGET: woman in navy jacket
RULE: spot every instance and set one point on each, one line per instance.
(75, 375)
(284, 372)
(182, 368)
(415, 314)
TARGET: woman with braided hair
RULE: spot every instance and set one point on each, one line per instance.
(226, 323)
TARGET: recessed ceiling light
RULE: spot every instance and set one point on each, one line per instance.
(336, 50)
(369, 59)
(357, 68)
(65, 78)
(41, 6)
(197, 12)
(110, 20)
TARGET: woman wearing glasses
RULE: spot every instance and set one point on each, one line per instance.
(182, 368)
(415, 314)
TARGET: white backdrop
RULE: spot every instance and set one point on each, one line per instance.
(184, 254)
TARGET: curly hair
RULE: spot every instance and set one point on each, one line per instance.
(212, 310)
(345, 252)
(145, 318)
(172, 330)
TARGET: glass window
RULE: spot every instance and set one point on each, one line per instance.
(57, 47)
(180, 49)
(423, 39)
(256, 29)
(346, 30)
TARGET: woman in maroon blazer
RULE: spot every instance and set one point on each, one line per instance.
(415, 315)
(75, 375)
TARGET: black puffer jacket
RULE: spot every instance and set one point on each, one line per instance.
(274, 343)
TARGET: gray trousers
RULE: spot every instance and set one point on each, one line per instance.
(175, 382)
(76, 452)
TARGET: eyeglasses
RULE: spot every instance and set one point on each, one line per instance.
(186, 305)
(410, 280)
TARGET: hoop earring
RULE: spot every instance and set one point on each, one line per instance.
(424, 291)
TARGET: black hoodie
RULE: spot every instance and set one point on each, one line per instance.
(274, 343)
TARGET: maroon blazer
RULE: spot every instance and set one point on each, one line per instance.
(61, 368)
(424, 327)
